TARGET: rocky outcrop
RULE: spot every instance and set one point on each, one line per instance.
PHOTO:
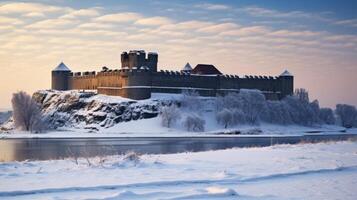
(92, 111)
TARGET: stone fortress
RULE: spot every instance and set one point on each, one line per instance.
(139, 77)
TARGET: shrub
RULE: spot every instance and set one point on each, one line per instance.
(194, 122)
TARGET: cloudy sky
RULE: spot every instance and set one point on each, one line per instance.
(315, 40)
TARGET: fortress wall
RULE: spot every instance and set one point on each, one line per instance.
(138, 84)
(176, 79)
(109, 79)
(176, 82)
(110, 83)
(171, 82)
(263, 84)
(86, 82)
(125, 83)
(228, 82)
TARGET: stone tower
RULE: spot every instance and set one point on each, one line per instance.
(287, 83)
(136, 59)
(60, 77)
(151, 61)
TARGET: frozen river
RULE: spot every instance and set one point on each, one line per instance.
(19, 149)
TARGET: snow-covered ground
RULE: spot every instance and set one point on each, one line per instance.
(152, 128)
(304, 171)
(97, 118)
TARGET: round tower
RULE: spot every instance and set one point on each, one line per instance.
(60, 77)
(287, 84)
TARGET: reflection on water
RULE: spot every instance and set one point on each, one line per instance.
(57, 148)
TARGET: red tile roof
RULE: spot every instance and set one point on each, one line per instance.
(205, 69)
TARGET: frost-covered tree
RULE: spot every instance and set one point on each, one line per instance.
(302, 94)
(190, 100)
(251, 107)
(248, 102)
(347, 114)
(238, 117)
(300, 111)
(315, 109)
(276, 112)
(326, 115)
(225, 117)
(26, 113)
(194, 122)
(252, 104)
(169, 115)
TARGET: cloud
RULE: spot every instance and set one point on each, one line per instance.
(247, 31)
(34, 15)
(96, 26)
(10, 21)
(217, 28)
(209, 6)
(9, 8)
(187, 25)
(81, 13)
(290, 33)
(264, 12)
(52, 24)
(348, 22)
(119, 17)
(154, 21)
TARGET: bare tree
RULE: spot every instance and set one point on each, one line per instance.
(169, 115)
(194, 122)
(225, 117)
(347, 114)
(26, 113)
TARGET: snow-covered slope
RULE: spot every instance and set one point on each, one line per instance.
(93, 111)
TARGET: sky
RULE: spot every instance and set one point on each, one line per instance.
(316, 40)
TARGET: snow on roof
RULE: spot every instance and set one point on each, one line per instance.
(187, 67)
(286, 73)
(61, 67)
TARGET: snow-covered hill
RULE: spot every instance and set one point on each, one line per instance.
(89, 110)
(74, 112)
